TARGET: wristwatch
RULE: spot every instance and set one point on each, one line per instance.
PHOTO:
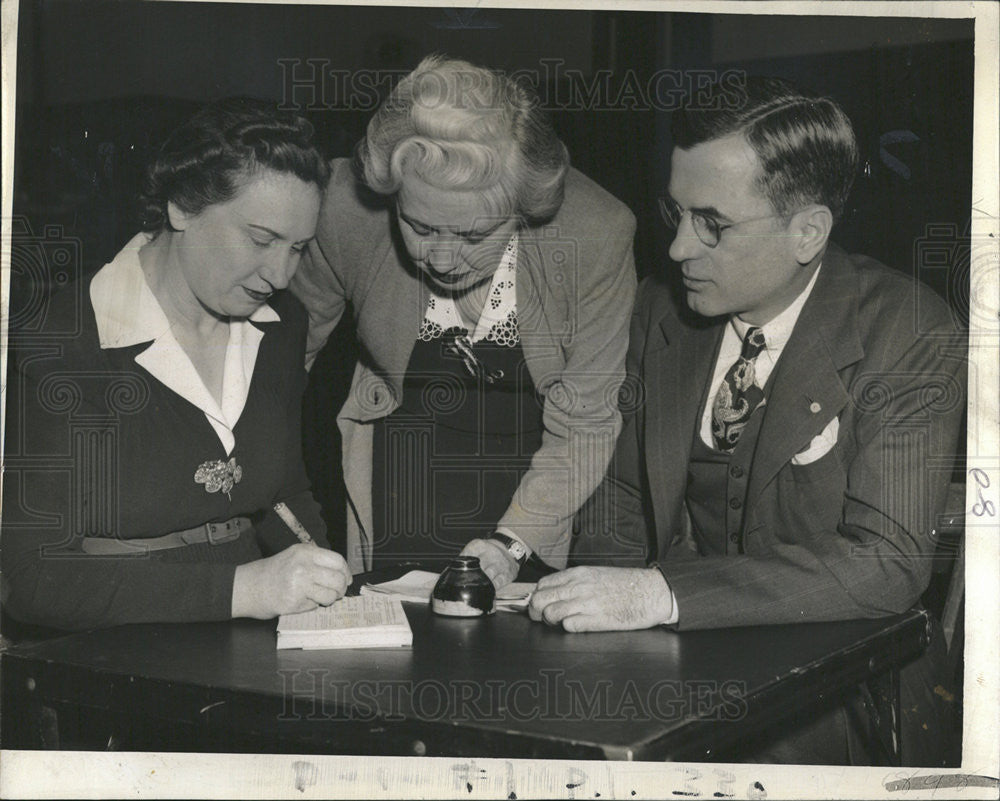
(515, 548)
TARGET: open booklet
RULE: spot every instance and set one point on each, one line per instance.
(358, 622)
(417, 585)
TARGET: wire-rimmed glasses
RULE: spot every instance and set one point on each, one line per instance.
(706, 227)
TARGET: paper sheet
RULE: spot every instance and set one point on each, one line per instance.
(417, 585)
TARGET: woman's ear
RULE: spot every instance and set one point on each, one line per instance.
(177, 219)
(811, 226)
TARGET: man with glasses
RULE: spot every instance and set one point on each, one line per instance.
(778, 459)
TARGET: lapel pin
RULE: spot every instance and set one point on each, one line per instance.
(815, 407)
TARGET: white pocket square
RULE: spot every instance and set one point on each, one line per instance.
(820, 444)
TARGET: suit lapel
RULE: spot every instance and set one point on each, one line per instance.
(807, 390)
(676, 370)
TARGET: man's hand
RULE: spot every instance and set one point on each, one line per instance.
(494, 559)
(603, 599)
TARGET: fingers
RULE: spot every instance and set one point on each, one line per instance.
(309, 576)
(322, 595)
(496, 563)
(330, 560)
(575, 615)
(553, 604)
(502, 577)
(332, 581)
(557, 611)
(322, 556)
(320, 566)
(329, 579)
(569, 576)
(576, 623)
(565, 588)
(573, 598)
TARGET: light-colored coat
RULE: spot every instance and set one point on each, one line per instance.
(575, 288)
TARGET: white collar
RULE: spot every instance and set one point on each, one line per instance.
(500, 300)
(778, 331)
(128, 313)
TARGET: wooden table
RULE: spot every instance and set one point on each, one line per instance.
(501, 686)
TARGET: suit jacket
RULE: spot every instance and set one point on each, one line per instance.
(845, 536)
(575, 288)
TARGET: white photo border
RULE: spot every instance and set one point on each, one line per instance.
(102, 775)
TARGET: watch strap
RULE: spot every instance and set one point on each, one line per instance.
(515, 548)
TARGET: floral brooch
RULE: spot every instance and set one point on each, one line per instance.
(219, 476)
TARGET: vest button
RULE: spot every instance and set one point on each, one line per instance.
(735, 503)
(734, 537)
(736, 471)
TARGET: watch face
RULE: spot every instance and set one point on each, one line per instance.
(514, 547)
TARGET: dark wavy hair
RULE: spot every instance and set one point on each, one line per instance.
(805, 144)
(212, 155)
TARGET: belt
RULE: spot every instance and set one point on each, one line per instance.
(212, 533)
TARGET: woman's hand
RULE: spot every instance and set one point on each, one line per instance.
(494, 559)
(298, 579)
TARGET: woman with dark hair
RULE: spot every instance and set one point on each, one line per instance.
(492, 286)
(173, 415)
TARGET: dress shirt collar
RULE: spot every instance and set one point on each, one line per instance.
(776, 335)
(779, 330)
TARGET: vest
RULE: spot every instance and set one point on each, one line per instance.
(717, 488)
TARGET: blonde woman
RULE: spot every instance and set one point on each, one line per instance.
(491, 286)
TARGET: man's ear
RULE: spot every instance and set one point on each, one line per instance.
(811, 228)
(177, 219)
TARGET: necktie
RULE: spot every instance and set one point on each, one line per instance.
(738, 394)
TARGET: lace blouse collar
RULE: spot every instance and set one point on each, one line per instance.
(498, 319)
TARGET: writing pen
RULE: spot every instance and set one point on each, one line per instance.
(293, 523)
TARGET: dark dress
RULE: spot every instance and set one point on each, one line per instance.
(447, 462)
(99, 447)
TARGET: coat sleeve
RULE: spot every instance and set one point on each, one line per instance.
(871, 556)
(611, 527)
(580, 414)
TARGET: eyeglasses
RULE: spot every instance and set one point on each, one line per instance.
(706, 228)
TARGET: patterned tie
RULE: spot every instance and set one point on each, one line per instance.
(738, 395)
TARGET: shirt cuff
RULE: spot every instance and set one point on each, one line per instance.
(513, 536)
(674, 613)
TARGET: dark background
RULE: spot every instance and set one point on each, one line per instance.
(101, 83)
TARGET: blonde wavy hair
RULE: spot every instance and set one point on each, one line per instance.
(463, 127)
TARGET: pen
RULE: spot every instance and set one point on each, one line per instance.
(293, 523)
